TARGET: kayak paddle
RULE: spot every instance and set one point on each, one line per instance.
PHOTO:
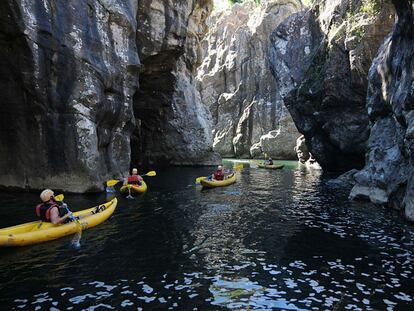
(198, 179)
(238, 167)
(78, 235)
(129, 196)
(150, 174)
(113, 182)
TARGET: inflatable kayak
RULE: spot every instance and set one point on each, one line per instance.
(270, 167)
(231, 179)
(38, 231)
(134, 188)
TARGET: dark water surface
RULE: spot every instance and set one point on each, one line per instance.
(275, 240)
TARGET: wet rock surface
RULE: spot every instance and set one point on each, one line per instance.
(237, 86)
(69, 75)
(301, 149)
(387, 177)
(68, 71)
(320, 59)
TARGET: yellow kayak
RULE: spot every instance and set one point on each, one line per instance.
(270, 167)
(231, 179)
(134, 188)
(38, 231)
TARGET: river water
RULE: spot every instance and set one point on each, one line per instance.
(275, 240)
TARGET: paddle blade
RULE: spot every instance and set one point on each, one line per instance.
(112, 182)
(238, 167)
(198, 179)
(151, 173)
(59, 197)
(77, 237)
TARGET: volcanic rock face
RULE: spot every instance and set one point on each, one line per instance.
(236, 84)
(175, 127)
(320, 59)
(68, 71)
(388, 174)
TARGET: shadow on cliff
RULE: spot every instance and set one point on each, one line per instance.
(33, 125)
(324, 81)
(152, 105)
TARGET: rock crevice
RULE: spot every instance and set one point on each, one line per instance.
(71, 113)
(387, 177)
(320, 59)
(174, 126)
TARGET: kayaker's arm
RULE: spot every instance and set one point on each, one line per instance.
(54, 216)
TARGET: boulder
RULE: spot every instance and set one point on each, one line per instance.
(301, 149)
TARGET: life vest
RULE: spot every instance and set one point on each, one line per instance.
(134, 180)
(43, 210)
(218, 175)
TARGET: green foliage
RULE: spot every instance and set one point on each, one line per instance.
(371, 7)
(358, 31)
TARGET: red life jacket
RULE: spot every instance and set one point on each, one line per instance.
(218, 175)
(134, 180)
(43, 210)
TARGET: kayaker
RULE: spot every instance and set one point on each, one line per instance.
(134, 178)
(219, 173)
(50, 210)
(269, 161)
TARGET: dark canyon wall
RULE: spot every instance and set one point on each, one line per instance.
(388, 174)
(69, 75)
(68, 71)
(174, 125)
(320, 59)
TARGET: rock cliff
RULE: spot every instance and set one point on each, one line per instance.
(69, 74)
(237, 86)
(387, 177)
(320, 59)
(174, 126)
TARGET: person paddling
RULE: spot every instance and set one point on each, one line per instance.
(219, 173)
(269, 161)
(134, 178)
(50, 210)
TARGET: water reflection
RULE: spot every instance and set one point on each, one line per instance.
(274, 240)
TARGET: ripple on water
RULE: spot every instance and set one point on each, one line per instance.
(274, 240)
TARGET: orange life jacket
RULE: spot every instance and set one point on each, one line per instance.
(134, 180)
(43, 210)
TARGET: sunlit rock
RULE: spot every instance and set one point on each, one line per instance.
(320, 58)
(236, 85)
